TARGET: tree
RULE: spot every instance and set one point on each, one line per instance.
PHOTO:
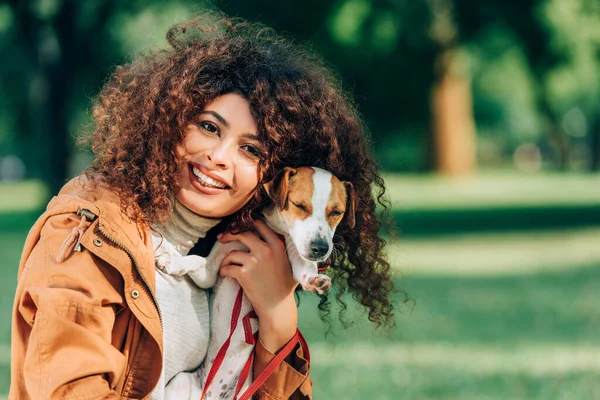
(561, 42)
(54, 50)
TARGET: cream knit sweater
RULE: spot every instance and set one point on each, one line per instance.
(183, 305)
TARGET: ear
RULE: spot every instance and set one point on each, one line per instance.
(350, 204)
(278, 188)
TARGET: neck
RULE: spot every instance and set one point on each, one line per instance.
(184, 228)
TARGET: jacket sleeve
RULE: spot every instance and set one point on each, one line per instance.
(290, 380)
(62, 323)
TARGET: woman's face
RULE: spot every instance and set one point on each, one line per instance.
(221, 154)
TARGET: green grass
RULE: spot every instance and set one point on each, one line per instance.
(11, 244)
(496, 254)
(493, 337)
(492, 190)
(496, 219)
(22, 196)
(493, 202)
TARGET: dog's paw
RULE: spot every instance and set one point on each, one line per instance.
(319, 284)
(163, 262)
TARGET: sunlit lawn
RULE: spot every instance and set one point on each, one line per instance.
(498, 315)
(515, 334)
(493, 189)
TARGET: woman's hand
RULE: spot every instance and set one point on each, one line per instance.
(265, 274)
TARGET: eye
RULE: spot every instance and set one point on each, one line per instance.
(252, 150)
(300, 206)
(336, 213)
(209, 126)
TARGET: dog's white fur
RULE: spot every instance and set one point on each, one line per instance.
(298, 234)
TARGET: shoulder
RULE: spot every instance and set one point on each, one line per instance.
(82, 191)
(81, 206)
(99, 200)
(70, 237)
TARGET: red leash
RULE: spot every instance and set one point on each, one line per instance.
(251, 339)
(237, 309)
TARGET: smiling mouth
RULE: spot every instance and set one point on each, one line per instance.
(207, 181)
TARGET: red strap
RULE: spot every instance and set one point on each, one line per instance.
(249, 336)
(244, 375)
(275, 362)
(237, 309)
(251, 340)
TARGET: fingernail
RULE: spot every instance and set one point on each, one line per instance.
(220, 235)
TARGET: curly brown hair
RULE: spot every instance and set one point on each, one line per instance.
(303, 118)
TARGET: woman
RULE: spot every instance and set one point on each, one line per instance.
(183, 140)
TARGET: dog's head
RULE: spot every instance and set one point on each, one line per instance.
(312, 202)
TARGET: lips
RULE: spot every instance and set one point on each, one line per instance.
(205, 183)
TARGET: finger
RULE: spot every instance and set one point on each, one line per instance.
(267, 234)
(233, 264)
(249, 239)
(239, 258)
(231, 270)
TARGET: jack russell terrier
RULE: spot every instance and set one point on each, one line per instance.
(308, 203)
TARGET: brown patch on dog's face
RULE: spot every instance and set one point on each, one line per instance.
(336, 206)
(278, 188)
(301, 188)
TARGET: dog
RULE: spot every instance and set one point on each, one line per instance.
(308, 204)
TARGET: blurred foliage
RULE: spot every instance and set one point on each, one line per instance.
(536, 62)
(534, 67)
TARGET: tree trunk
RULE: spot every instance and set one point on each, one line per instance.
(453, 124)
(595, 144)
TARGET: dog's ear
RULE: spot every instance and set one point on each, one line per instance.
(278, 188)
(350, 204)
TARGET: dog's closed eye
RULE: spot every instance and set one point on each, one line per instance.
(300, 206)
(336, 213)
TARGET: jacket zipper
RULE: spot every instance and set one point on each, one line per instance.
(137, 268)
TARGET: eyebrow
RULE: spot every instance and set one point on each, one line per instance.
(217, 116)
(251, 136)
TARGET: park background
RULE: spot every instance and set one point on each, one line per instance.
(485, 118)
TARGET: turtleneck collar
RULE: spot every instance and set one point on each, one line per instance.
(184, 227)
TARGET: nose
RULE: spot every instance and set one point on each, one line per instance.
(221, 155)
(318, 248)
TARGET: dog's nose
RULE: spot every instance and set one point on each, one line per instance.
(318, 248)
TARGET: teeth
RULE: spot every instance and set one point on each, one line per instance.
(207, 180)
